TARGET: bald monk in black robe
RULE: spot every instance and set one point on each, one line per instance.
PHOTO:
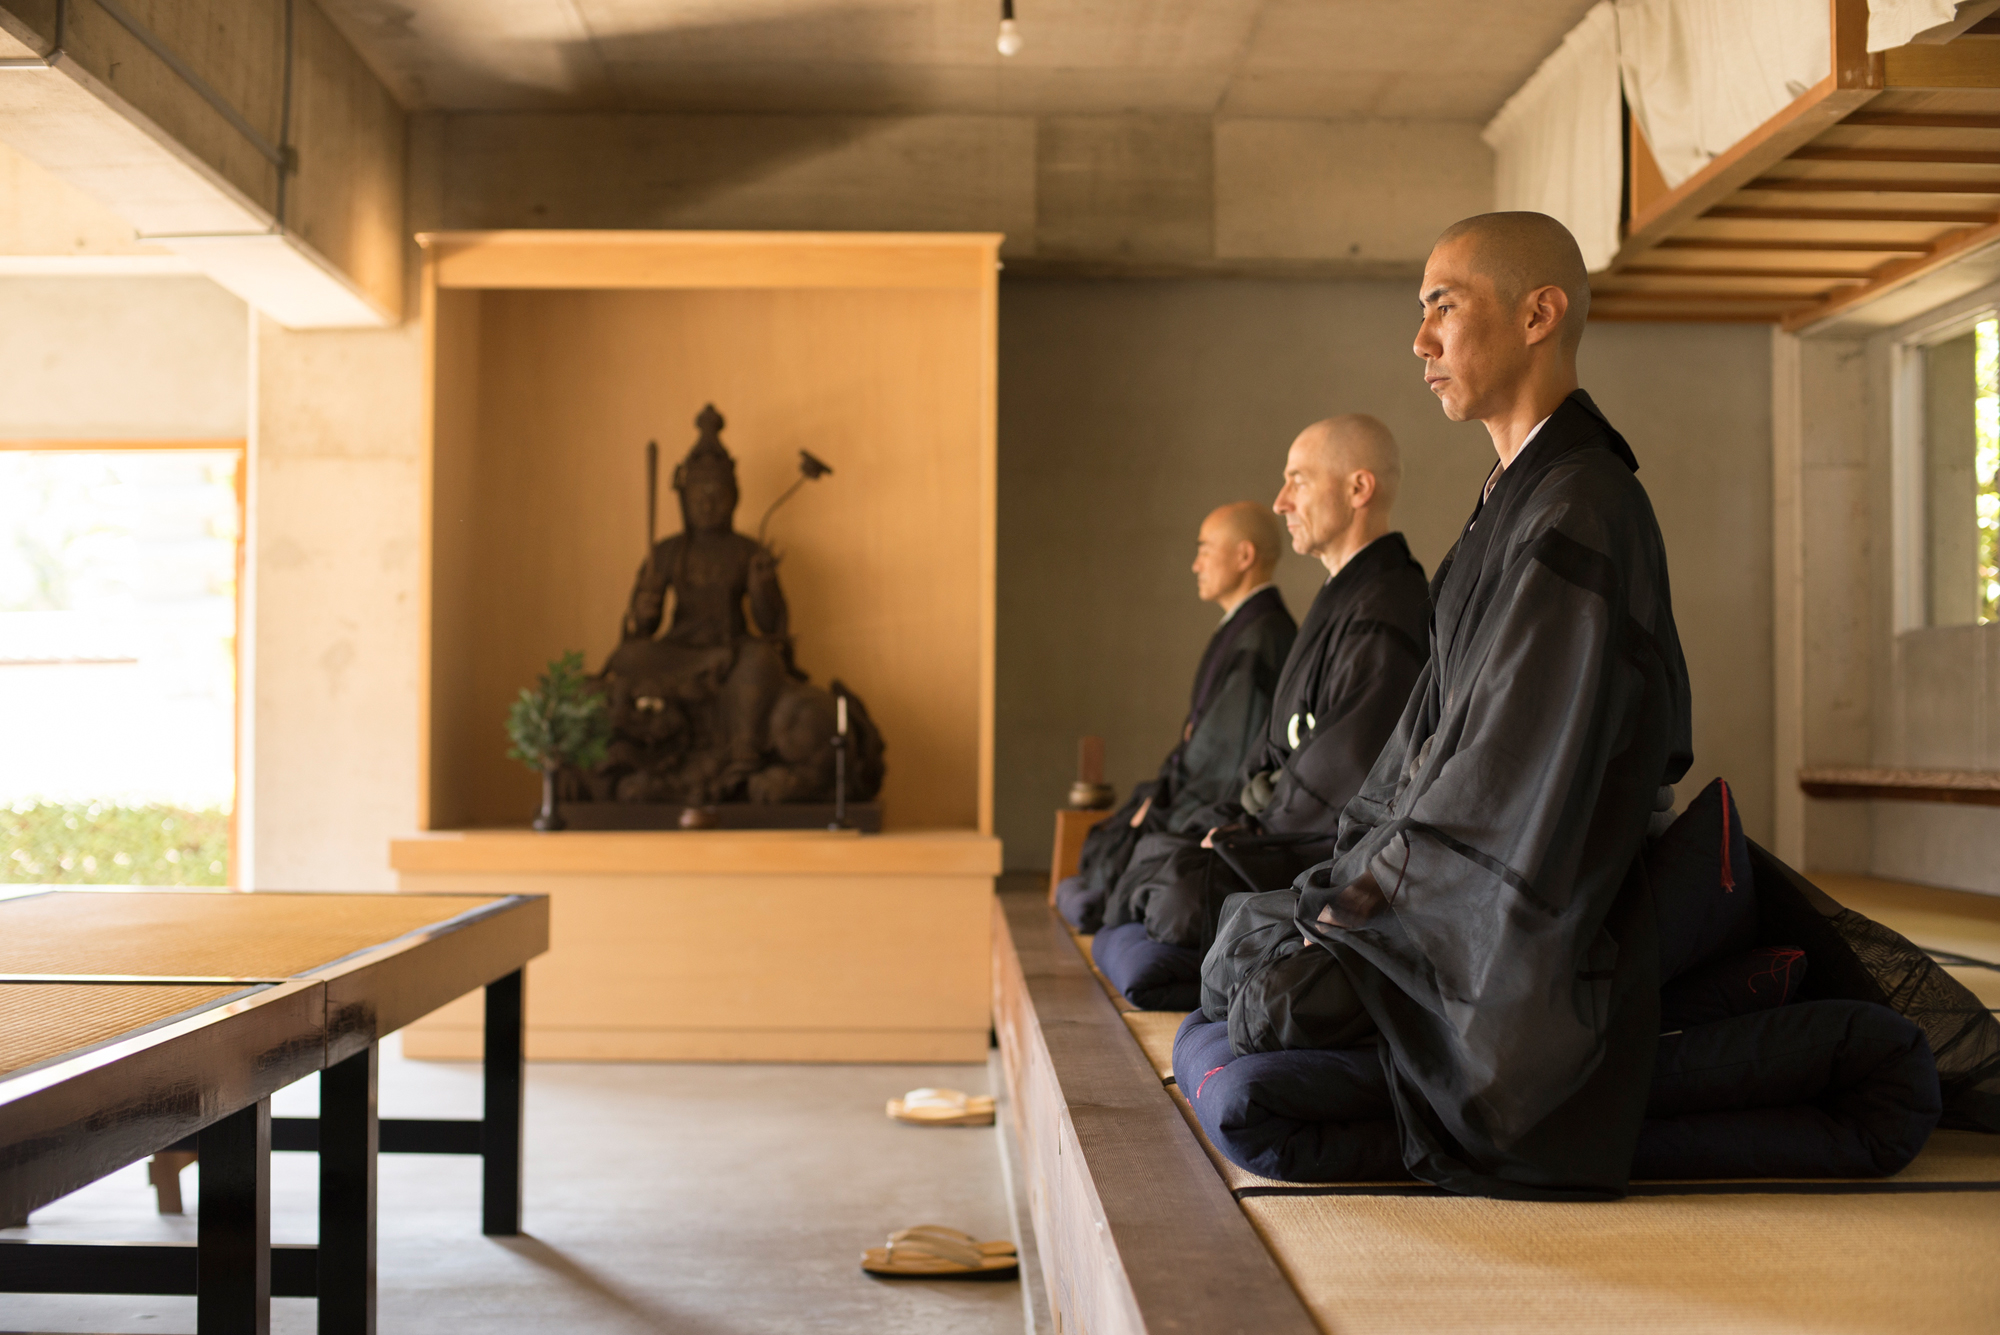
(1235, 554)
(1343, 688)
(1487, 915)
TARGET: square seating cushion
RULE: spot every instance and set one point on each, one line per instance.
(1150, 974)
(1703, 895)
(1828, 1089)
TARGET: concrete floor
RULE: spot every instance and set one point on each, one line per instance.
(692, 1199)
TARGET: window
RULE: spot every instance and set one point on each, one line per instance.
(1961, 490)
(118, 617)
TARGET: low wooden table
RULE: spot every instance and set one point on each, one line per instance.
(134, 1021)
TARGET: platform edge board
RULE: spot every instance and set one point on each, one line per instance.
(66, 1123)
(1184, 1250)
(374, 992)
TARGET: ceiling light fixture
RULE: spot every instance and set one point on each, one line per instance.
(1010, 33)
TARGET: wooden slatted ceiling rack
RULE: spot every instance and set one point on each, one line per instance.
(1884, 172)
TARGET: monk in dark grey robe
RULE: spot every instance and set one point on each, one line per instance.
(1343, 688)
(1487, 918)
(1235, 553)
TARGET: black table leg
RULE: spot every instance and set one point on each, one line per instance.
(349, 1136)
(506, 1003)
(233, 1247)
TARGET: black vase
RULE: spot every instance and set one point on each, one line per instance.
(550, 818)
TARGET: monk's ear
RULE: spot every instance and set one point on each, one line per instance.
(1361, 483)
(1546, 307)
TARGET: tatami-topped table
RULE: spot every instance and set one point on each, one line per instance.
(136, 1021)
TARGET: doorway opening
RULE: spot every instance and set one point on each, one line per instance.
(121, 566)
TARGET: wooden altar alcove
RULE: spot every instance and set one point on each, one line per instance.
(551, 359)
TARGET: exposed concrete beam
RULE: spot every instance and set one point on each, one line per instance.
(1115, 195)
(138, 104)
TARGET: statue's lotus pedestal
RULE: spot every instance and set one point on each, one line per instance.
(732, 945)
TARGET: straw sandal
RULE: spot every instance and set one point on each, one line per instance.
(943, 1107)
(932, 1251)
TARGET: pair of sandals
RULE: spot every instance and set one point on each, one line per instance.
(932, 1251)
(943, 1107)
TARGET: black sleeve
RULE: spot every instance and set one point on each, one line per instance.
(1211, 762)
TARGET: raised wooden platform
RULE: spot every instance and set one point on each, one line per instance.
(733, 945)
(1142, 1227)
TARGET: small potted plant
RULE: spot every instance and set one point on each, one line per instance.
(561, 720)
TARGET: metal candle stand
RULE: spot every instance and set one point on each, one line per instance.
(839, 764)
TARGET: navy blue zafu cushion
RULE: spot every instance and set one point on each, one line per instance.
(1150, 974)
(1816, 1089)
(1704, 900)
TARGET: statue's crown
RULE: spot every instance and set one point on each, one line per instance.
(708, 458)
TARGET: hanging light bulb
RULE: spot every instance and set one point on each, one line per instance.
(1010, 32)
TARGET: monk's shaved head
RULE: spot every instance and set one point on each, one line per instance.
(1341, 476)
(1521, 252)
(1251, 522)
(1356, 442)
(1504, 297)
(1235, 551)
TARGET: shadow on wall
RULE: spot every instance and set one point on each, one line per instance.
(1129, 409)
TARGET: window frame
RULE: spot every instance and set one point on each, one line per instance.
(1909, 348)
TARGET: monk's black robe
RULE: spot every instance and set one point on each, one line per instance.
(1488, 905)
(1343, 687)
(1227, 713)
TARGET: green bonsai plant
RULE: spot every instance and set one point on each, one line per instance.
(561, 720)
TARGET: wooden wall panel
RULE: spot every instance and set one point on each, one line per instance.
(448, 731)
(884, 562)
(755, 967)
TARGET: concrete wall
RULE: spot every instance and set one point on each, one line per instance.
(1830, 586)
(1859, 681)
(120, 357)
(1128, 409)
(336, 522)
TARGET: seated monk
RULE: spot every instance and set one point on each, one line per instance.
(1235, 553)
(1343, 687)
(1486, 921)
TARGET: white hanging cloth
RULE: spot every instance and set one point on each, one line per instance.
(1700, 75)
(1555, 142)
(1895, 22)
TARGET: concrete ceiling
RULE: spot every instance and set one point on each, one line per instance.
(1396, 59)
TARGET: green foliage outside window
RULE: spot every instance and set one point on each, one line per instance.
(101, 843)
(1986, 467)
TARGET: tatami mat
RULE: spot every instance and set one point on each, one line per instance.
(1767, 1265)
(43, 1020)
(1155, 1031)
(168, 935)
(1086, 944)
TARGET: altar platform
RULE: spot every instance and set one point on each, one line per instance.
(732, 945)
